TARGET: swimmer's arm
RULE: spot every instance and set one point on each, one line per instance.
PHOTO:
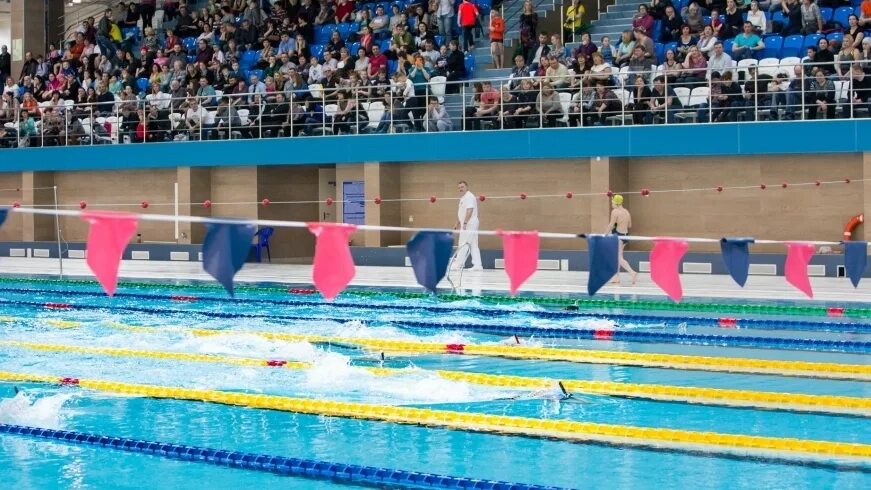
(613, 221)
(628, 221)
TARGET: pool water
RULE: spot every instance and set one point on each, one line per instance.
(339, 373)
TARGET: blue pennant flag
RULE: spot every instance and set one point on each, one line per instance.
(603, 260)
(736, 256)
(3, 214)
(855, 260)
(225, 249)
(430, 252)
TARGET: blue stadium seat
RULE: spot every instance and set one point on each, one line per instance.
(191, 58)
(773, 46)
(129, 32)
(189, 43)
(142, 84)
(323, 33)
(439, 39)
(842, 16)
(259, 74)
(811, 40)
(826, 13)
(344, 30)
(249, 58)
(672, 46)
(660, 51)
(706, 19)
(835, 37)
(727, 46)
(385, 45)
(317, 50)
(792, 46)
(470, 64)
(657, 30)
(779, 17)
(353, 48)
(392, 65)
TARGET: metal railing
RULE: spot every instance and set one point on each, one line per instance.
(603, 99)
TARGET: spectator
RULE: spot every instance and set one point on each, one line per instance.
(811, 18)
(719, 61)
(486, 110)
(226, 120)
(205, 92)
(860, 91)
(643, 40)
(467, 16)
(28, 68)
(757, 18)
(27, 131)
(824, 59)
(519, 72)
(625, 49)
(557, 74)
(437, 117)
(684, 42)
(821, 96)
(146, 11)
(671, 68)
(574, 21)
(445, 13)
(756, 94)
(157, 98)
(855, 31)
(497, 32)
(746, 43)
(865, 55)
(657, 8)
(733, 23)
(419, 75)
(671, 26)
(548, 105)
(642, 19)
(793, 12)
(605, 104)
(865, 17)
(5, 62)
(456, 66)
(778, 89)
(600, 71)
(694, 18)
(528, 26)
(377, 61)
(257, 87)
(707, 41)
(846, 57)
(609, 53)
(638, 63)
(380, 24)
(663, 103)
(587, 48)
(275, 116)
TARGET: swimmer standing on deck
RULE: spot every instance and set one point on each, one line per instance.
(619, 225)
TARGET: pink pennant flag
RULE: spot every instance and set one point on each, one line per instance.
(798, 255)
(664, 266)
(108, 236)
(520, 255)
(333, 266)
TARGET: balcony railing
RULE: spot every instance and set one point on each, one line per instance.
(602, 99)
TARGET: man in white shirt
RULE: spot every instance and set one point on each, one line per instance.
(720, 61)
(467, 223)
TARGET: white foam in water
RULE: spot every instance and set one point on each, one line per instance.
(246, 345)
(26, 409)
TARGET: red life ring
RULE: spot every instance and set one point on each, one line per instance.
(852, 224)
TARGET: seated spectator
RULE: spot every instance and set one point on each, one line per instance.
(548, 105)
(557, 49)
(747, 43)
(757, 18)
(437, 117)
(846, 57)
(377, 61)
(717, 24)
(671, 26)
(643, 40)
(642, 19)
(664, 104)
(485, 110)
(27, 132)
(380, 23)
(860, 90)
(195, 121)
(706, 41)
(600, 71)
(587, 48)
(756, 94)
(639, 63)
(719, 61)
(733, 25)
(865, 55)
(456, 66)
(684, 42)
(226, 120)
(671, 68)
(557, 74)
(694, 18)
(824, 59)
(624, 49)
(538, 51)
(275, 116)
(519, 72)
(609, 53)
(724, 101)
(641, 98)
(604, 105)
(821, 96)
(206, 93)
(344, 9)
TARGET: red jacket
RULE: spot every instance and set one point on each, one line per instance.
(468, 14)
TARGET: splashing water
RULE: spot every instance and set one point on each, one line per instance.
(26, 409)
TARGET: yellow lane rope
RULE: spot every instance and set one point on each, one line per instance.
(825, 370)
(710, 396)
(524, 426)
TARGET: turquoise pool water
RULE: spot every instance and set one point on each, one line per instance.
(337, 373)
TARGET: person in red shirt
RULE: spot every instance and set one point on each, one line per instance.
(497, 33)
(376, 61)
(467, 15)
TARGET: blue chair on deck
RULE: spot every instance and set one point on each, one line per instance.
(263, 235)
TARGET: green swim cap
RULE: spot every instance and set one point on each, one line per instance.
(617, 199)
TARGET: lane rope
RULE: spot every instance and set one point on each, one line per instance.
(625, 335)
(304, 468)
(722, 308)
(843, 405)
(853, 372)
(739, 445)
(753, 323)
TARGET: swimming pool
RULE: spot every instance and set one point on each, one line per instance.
(454, 393)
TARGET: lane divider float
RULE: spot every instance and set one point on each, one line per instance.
(735, 445)
(638, 335)
(842, 405)
(745, 323)
(580, 302)
(304, 468)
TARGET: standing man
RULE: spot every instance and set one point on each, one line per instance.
(467, 223)
(467, 15)
(619, 225)
(5, 63)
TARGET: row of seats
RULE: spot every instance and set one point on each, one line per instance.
(775, 46)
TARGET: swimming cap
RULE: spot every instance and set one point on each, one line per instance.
(617, 199)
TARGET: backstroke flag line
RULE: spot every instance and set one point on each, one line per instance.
(664, 266)
(108, 236)
(603, 251)
(333, 266)
(429, 253)
(855, 260)
(520, 252)
(225, 249)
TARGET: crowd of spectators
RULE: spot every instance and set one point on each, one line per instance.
(251, 69)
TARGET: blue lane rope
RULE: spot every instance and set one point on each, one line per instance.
(848, 346)
(703, 321)
(305, 468)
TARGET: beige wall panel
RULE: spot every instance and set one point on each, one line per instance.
(12, 228)
(290, 183)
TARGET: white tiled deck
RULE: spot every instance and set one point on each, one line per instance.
(695, 285)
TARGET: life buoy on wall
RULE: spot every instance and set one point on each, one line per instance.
(851, 225)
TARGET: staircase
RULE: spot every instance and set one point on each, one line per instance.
(511, 10)
(616, 19)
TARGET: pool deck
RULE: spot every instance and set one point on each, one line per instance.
(838, 290)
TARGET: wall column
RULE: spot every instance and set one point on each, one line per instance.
(194, 187)
(605, 174)
(382, 180)
(36, 190)
(35, 23)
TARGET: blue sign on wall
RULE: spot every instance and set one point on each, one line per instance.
(353, 202)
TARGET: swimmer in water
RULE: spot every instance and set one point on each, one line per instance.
(513, 340)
